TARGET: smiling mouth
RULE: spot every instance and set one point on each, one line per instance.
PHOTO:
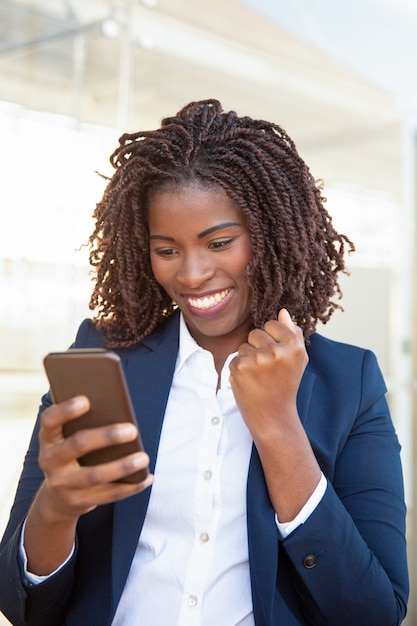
(208, 301)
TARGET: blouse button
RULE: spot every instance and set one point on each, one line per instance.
(215, 420)
(204, 537)
(207, 475)
(192, 600)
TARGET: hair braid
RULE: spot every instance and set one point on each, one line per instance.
(297, 253)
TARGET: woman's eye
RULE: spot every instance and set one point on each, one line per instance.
(165, 252)
(219, 245)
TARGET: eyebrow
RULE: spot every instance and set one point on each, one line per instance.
(206, 232)
(213, 229)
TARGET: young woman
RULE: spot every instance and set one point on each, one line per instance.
(276, 495)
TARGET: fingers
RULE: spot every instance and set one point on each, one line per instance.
(113, 471)
(274, 331)
(114, 491)
(89, 439)
(74, 489)
(84, 441)
(55, 416)
(285, 318)
(59, 454)
(71, 489)
(284, 322)
(69, 494)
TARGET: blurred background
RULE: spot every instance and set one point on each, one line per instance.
(75, 74)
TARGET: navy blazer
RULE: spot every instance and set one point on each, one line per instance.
(345, 566)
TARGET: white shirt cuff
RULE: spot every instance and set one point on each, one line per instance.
(285, 528)
(33, 579)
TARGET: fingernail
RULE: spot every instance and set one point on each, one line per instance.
(79, 403)
(125, 430)
(137, 460)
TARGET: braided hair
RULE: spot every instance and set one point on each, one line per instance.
(297, 253)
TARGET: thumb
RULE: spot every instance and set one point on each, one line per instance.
(285, 318)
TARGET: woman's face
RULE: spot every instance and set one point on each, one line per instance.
(199, 250)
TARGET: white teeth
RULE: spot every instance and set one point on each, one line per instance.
(208, 301)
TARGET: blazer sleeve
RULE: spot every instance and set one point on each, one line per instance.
(47, 602)
(349, 559)
(20, 602)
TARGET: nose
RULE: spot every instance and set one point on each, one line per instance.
(195, 270)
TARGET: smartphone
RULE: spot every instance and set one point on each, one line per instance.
(97, 374)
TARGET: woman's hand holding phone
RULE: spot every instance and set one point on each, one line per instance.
(71, 489)
(75, 489)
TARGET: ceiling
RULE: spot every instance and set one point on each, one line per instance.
(127, 64)
(375, 38)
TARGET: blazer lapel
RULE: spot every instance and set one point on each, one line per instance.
(149, 369)
(262, 530)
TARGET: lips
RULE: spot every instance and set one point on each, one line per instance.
(207, 302)
(209, 306)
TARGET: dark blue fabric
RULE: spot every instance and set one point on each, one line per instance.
(357, 533)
